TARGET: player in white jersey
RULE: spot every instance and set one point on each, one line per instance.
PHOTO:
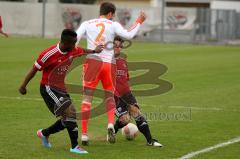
(101, 67)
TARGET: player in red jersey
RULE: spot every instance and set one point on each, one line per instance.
(1, 26)
(126, 103)
(54, 63)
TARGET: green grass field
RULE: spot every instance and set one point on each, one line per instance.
(206, 89)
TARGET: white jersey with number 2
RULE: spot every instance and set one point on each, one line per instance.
(101, 31)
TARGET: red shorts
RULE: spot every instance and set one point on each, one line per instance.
(95, 71)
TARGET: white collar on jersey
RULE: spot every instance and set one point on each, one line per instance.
(64, 53)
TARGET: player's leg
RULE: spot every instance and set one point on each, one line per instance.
(110, 109)
(91, 71)
(55, 127)
(142, 125)
(108, 82)
(110, 106)
(5, 34)
(70, 122)
(121, 113)
(1, 26)
(121, 122)
(85, 113)
(140, 120)
(59, 103)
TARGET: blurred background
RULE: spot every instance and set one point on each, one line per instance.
(185, 21)
(202, 110)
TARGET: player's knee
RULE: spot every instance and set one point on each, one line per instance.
(87, 99)
(125, 119)
(70, 112)
(70, 123)
(88, 92)
(134, 111)
(69, 120)
(110, 100)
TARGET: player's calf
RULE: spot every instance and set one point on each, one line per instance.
(121, 122)
(85, 114)
(70, 122)
(143, 126)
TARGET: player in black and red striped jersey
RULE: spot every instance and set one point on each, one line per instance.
(54, 63)
(126, 103)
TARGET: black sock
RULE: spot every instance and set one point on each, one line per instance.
(143, 127)
(118, 125)
(72, 129)
(56, 127)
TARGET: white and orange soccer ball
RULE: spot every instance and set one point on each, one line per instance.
(130, 131)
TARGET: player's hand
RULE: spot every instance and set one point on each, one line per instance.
(99, 48)
(22, 90)
(141, 17)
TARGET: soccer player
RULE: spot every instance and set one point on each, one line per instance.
(54, 63)
(101, 67)
(126, 104)
(1, 26)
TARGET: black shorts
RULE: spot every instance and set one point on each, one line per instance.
(123, 102)
(56, 100)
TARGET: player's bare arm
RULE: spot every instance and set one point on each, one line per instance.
(98, 49)
(27, 79)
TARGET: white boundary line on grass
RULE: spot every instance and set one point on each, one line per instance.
(24, 98)
(96, 102)
(20, 98)
(99, 101)
(208, 149)
(197, 108)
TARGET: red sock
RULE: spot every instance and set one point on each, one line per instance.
(110, 108)
(85, 109)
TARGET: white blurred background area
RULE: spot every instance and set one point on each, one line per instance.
(185, 21)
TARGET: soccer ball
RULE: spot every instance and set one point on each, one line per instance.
(130, 131)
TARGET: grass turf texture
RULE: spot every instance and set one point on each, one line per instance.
(206, 84)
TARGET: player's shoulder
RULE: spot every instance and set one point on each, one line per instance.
(121, 60)
(49, 51)
(90, 21)
(50, 48)
(115, 23)
(78, 50)
(99, 20)
(123, 57)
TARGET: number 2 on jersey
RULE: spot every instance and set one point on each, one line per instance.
(100, 39)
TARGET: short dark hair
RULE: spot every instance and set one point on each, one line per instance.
(118, 38)
(106, 8)
(68, 33)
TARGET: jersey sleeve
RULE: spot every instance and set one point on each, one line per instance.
(39, 64)
(128, 34)
(43, 60)
(79, 51)
(81, 31)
